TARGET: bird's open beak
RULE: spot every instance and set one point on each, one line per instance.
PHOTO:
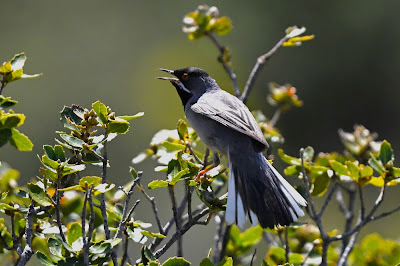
(166, 78)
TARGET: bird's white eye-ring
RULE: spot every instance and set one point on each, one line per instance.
(185, 76)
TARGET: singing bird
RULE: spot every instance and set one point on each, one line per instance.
(256, 191)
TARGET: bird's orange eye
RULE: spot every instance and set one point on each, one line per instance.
(185, 76)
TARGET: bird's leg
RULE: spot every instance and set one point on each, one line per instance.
(216, 162)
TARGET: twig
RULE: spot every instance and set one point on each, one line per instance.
(178, 234)
(206, 155)
(349, 247)
(227, 68)
(328, 199)
(84, 239)
(225, 242)
(219, 220)
(126, 205)
(252, 258)
(155, 210)
(189, 146)
(59, 223)
(287, 247)
(179, 251)
(103, 207)
(362, 204)
(258, 66)
(28, 252)
(91, 219)
(307, 254)
(275, 117)
(125, 255)
(168, 225)
(189, 201)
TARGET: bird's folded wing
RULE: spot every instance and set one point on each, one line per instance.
(231, 112)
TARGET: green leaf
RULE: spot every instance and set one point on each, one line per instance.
(118, 126)
(18, 61)
(308, 154)
(59, 153)
(49, 151)
(130, 117)
(88, 181)
(6, 68)
(76, 187)
(288, 159)
(6, 102)
(175, 261)
(339, 168)
(276, 255)
(173, 146)
(71, 116)
(227, 261)
(296, 258)
(183, 130)
(101, 111)
(147, 255)
(152, 235)
(39, 195)
(366, 171)
(73, 141)
(72, 168)
(157, 183)
(251, 236)
(377, 165)
(47, 161)
(179, 175)
(320, 185)
(133, 172)
(353, 168)
(74, 232)
(11, 120)
(222, 26)
(5, 135)
(105, 246)
(42, 258)
(103, 188)
(206, 262)
(386, 153)
(20, 141)
(55, 247)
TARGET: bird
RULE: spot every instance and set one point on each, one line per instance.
(256, 191)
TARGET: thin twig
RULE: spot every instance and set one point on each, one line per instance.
(91, 218)
(155, 210)
(189, 201)
(84, 239)
(178, 234)
(59, 223)
(28, 252)
(219, 220)
(258, 66)
(252, 258)
(328, 199)
(308, 253)
(125, 255)
(179, 251)
(348, 248)
(168, 225)
(362, 204)
(226, 66)
(206, 155)
(275, 117)
(189, 146)
(286, 243)
(126, 205)
(225, 240)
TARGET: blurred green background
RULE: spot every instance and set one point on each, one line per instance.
(111, 51)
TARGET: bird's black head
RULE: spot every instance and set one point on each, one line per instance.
(190, 81)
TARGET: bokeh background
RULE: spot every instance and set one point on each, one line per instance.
(111, 51)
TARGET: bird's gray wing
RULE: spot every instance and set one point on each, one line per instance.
(231, 112)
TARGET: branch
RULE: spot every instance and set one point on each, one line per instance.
(275, 117)
(103, 207)
(258, 66)
(59, 223)
(125, 211)
(182, 231)
(179, 251)
(125, 255)
(219, 220)
(155, 210)
(226, 66)
(252, 258)
(225, 242)
(83, 221)
(328, 199)
(28, 252)
(348, 248)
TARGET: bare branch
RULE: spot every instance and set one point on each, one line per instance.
(349, 247)
(28, 252)
(328, 198)
(179, 251)
(189, 146)
(59, 223)
(219, 220)
(252, 258)
(275, 117)
(226, 66)
(83, 221)
(258, 66)
(286, 244)
(225, 242)
(126, 205)
(155, 210)
(125, 255)
(182, 231)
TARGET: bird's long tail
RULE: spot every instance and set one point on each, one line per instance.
(259, 193)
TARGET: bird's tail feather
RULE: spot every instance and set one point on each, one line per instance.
(259, 193)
